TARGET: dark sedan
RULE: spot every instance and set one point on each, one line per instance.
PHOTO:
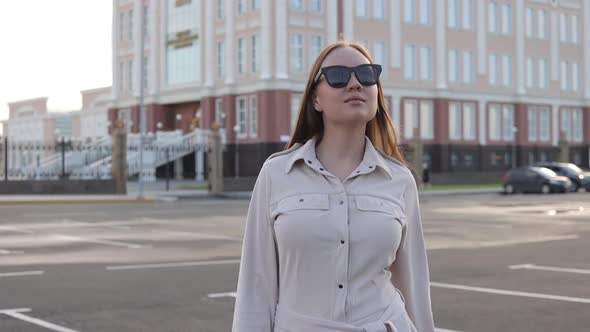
(579, 178)
(534, 179)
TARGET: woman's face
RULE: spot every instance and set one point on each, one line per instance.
(352, 105)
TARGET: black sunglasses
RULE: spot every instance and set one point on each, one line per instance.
(339, 76)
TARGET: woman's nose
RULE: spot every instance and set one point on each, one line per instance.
(353, 84)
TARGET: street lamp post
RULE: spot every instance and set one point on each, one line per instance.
(237, 158)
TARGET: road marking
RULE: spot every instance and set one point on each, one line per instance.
(513, 293)
(547, 268)
(165, 265)
(21, 274)
(11, 252)
(14, 229)
(501, 243)
(444, 330)
(98, 241)
(17, 313)
(198, 235)
(218, 295)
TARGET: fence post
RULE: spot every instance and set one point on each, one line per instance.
(119, 164)
(215, 161)
(564, 148)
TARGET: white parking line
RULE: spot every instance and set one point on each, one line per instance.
(513, 293)
(444, 330)
(21, 274)
(17, 313)
(218, 295)
(14, 229)
(98, 241)
(198, 235)
(547, 268)
(165, 265)
(11, 252)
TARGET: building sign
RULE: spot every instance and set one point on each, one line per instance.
(183, 39)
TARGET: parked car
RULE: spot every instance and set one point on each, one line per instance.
(579, 178)
(534, 179)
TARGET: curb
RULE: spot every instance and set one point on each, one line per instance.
(76, 201)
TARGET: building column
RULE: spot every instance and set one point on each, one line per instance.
(114, 51)
(332, 22)
(209, 39)
(555, 121)
(519, 30)
(348, 19)
(481, 37)
(554, 42)
(395, 27)
(229, 42)
(441, 44)
(153, 85)
(281, 40)
(586, 48)
(482, 116)
(137, 51)
(178, 169)
(265, 51)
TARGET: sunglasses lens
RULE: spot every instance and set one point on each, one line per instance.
(367, 75)
(337, 77)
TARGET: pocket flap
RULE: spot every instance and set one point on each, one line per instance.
(304, 202)
(371, 203)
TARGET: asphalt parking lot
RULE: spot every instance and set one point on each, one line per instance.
(497, 263)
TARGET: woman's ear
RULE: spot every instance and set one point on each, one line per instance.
(316, 103)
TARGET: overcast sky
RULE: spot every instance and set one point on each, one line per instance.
(54, 49)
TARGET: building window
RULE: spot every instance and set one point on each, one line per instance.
(122, 26)
(379, 54)
(574, 32)
(145, 72)
(241, 55)
(467, 14)
(241, 7)
(532, 124)
(506, 19)
(493, 69)
(501, 122)
(506, 70)
(530, 71)
(297, 51)
(542, 73)
(241, 116)
(467, 67)
(145, 22)
(572, 124)
(121, 76)
(453, 65)
(425, 12)
(295, 104)
(220, 60)
(544, 123)
(563, 28)
(529, 22)
(317, 44)
(255, 5)
(378, 9)
(410, 66)
(220, 9)
(418, 115)
(253, 116)
(254, 53)
(564, 77)
(297, 5)
(130, 76)
(315, 6)
(452, 13)
(541, 24)
(425, 64)
(408, 11)
(361, 8)
(492, 17)
(130, 27)
(462, 121)
(219, 114)
(575, 77)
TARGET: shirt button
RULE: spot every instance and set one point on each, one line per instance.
(321, 169)
(301, 199)
(358, 172)
(340, 286)
(309, 161)
(342, 241)
(341, 202)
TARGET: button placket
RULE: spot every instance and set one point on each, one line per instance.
(341, 280)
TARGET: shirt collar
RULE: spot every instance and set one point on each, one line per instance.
(372, 158)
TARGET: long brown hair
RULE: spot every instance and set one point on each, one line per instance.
(379, 130)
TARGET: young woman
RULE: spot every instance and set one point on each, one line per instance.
(333, 239)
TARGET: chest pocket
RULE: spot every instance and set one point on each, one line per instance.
(301, 202)
(375, 204)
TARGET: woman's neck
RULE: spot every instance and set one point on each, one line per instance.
(340, 151)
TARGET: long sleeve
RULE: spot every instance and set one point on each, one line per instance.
(257, 292)
(410, 268)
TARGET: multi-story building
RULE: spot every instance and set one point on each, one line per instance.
(475, 79)
(94, 114)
